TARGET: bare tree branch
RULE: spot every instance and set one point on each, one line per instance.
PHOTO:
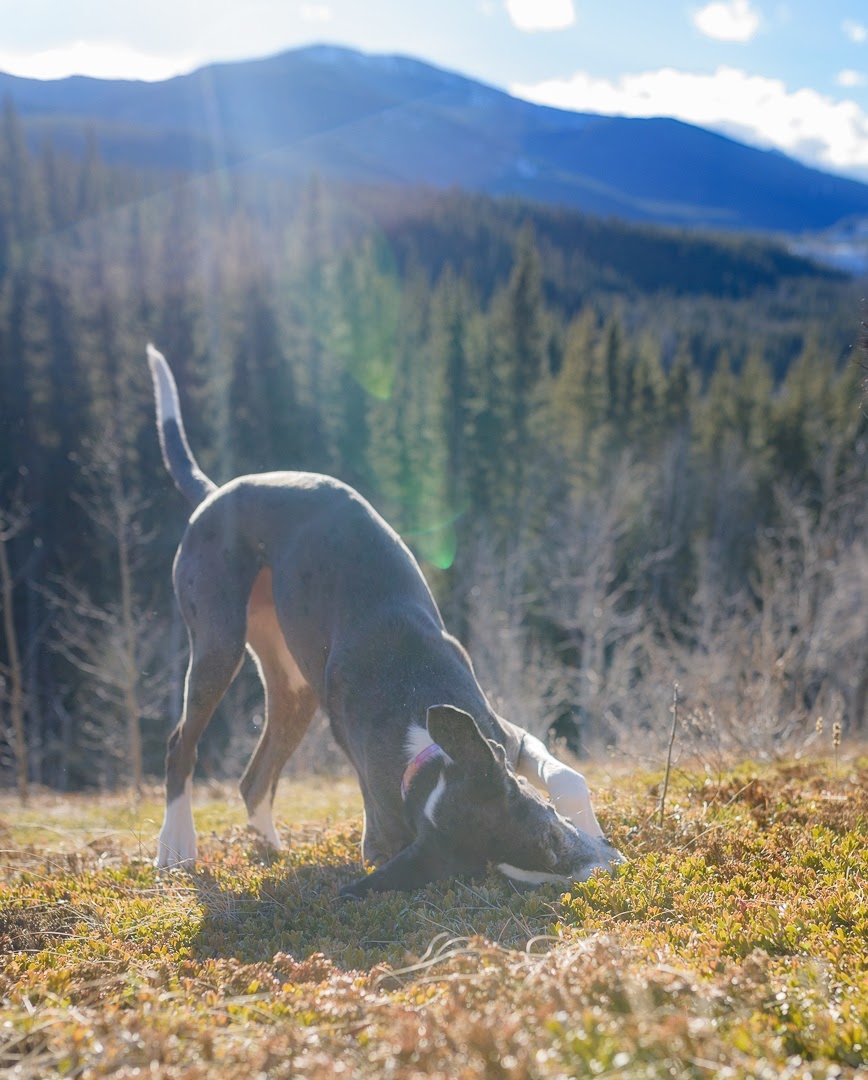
(12, 523)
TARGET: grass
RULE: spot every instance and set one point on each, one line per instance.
(735, 943)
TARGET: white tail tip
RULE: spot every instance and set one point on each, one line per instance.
(165, 390)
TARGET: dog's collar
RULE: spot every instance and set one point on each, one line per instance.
(413, 769)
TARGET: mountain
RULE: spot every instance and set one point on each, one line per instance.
(386, 119)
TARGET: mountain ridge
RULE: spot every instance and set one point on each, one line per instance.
(370, 118)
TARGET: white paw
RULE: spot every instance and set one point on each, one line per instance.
(177, 842)
(569, 793)
(260, 821)
(173, 856)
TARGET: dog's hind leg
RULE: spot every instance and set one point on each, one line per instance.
(213, 602)
(289, 707)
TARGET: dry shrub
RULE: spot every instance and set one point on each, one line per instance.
(757, 664)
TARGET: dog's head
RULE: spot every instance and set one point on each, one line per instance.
(480, 812)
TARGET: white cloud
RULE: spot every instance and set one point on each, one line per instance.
(848, 77)
(100, 60)
(727, 20)
(752, 108)
(315, 13)
(531, 15)
(856, 32)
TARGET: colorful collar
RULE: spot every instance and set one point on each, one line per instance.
(422, 758)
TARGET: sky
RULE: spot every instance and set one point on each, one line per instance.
(790, 74)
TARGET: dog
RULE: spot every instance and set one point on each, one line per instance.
(302, 571)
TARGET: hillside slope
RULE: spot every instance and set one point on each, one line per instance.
(376, 119)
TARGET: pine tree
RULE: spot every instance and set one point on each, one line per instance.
(646, 406)
(682, 389)
(576, 399)
(754, 395)
(800, 416)
(518, 360)
(719, 412)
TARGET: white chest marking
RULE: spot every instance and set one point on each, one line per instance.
(434, 798)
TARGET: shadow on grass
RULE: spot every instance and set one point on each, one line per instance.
(296, 909)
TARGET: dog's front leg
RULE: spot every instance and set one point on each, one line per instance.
(417, 865)
(567, 788)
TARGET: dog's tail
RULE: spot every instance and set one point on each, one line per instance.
(193, 484)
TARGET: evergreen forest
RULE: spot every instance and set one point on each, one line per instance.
(625, 457)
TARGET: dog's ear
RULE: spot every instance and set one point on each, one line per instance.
(458, 734)
(415, 866)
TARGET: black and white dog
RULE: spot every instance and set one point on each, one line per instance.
(301, 570)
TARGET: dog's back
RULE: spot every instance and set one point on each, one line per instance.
(338, 569)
